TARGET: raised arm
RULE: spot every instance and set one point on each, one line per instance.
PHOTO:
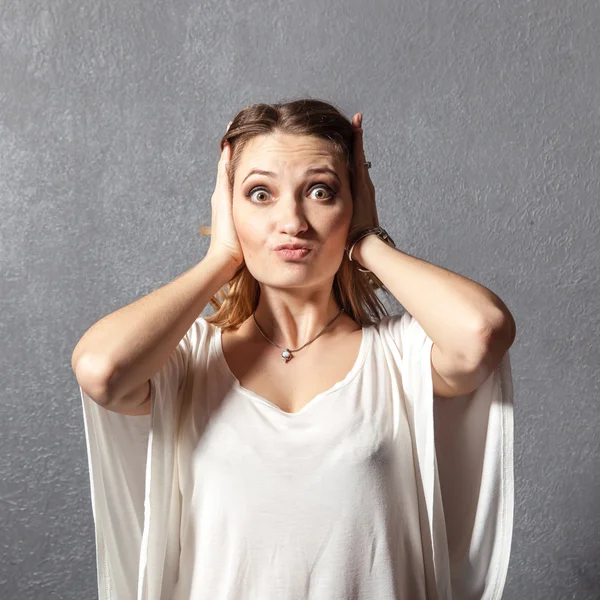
(115, 359)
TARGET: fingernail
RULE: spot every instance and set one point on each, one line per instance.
(360, 120)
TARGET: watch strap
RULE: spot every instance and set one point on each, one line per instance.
(379, 232)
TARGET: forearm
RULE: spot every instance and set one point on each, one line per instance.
(450, 308)
(128, 346)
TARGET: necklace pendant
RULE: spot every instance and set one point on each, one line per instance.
(286, 355)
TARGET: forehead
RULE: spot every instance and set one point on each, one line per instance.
(283, 151)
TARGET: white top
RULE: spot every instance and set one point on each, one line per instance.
(219, 494)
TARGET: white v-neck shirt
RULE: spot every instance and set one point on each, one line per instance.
(376, 489)
(320, 504)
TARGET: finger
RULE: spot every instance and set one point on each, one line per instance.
(359, 151)
(359, 154)
(226, 152)
(223, 169)
(358, 137)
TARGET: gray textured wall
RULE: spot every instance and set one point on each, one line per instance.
(482, 123)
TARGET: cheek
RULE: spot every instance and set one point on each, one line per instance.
(238, 221)
(334, 230)
(344, 217)
(247, 224)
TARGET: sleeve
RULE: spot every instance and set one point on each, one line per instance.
(464, 451)
(117, 448)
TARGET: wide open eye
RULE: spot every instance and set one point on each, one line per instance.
(330, 191)
(320, 186)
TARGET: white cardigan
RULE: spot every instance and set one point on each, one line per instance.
(464, 455)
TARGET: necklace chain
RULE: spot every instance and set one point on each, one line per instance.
(286, 353)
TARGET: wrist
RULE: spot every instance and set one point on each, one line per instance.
(224, 262)
(361, 248)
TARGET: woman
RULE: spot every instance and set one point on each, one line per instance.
(284, 446)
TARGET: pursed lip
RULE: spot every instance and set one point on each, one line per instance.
(292, 247)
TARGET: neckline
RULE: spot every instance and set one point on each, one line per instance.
(356, 368)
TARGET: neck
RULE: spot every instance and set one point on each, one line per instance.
(292, 325)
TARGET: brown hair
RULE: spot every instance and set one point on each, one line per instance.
(353, 290)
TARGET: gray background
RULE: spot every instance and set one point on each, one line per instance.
(482, 123)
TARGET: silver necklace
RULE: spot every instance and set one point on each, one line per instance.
(286, 353)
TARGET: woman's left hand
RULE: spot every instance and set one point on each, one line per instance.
(365, 210)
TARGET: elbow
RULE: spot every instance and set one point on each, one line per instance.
(498, 326)
(496, 336)
(504, 332)
(93, 375)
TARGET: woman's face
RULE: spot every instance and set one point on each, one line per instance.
(291, 206)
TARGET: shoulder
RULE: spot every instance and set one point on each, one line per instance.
(395, 324)
(392, 320)
(200, 331)
(403, 330)
(195, 341)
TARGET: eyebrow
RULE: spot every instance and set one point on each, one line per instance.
(307, 172)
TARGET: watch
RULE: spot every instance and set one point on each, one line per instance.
(379, 232)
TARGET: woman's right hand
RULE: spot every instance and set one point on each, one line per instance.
(224, 241)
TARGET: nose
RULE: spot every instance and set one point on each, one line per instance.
(290, 216)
